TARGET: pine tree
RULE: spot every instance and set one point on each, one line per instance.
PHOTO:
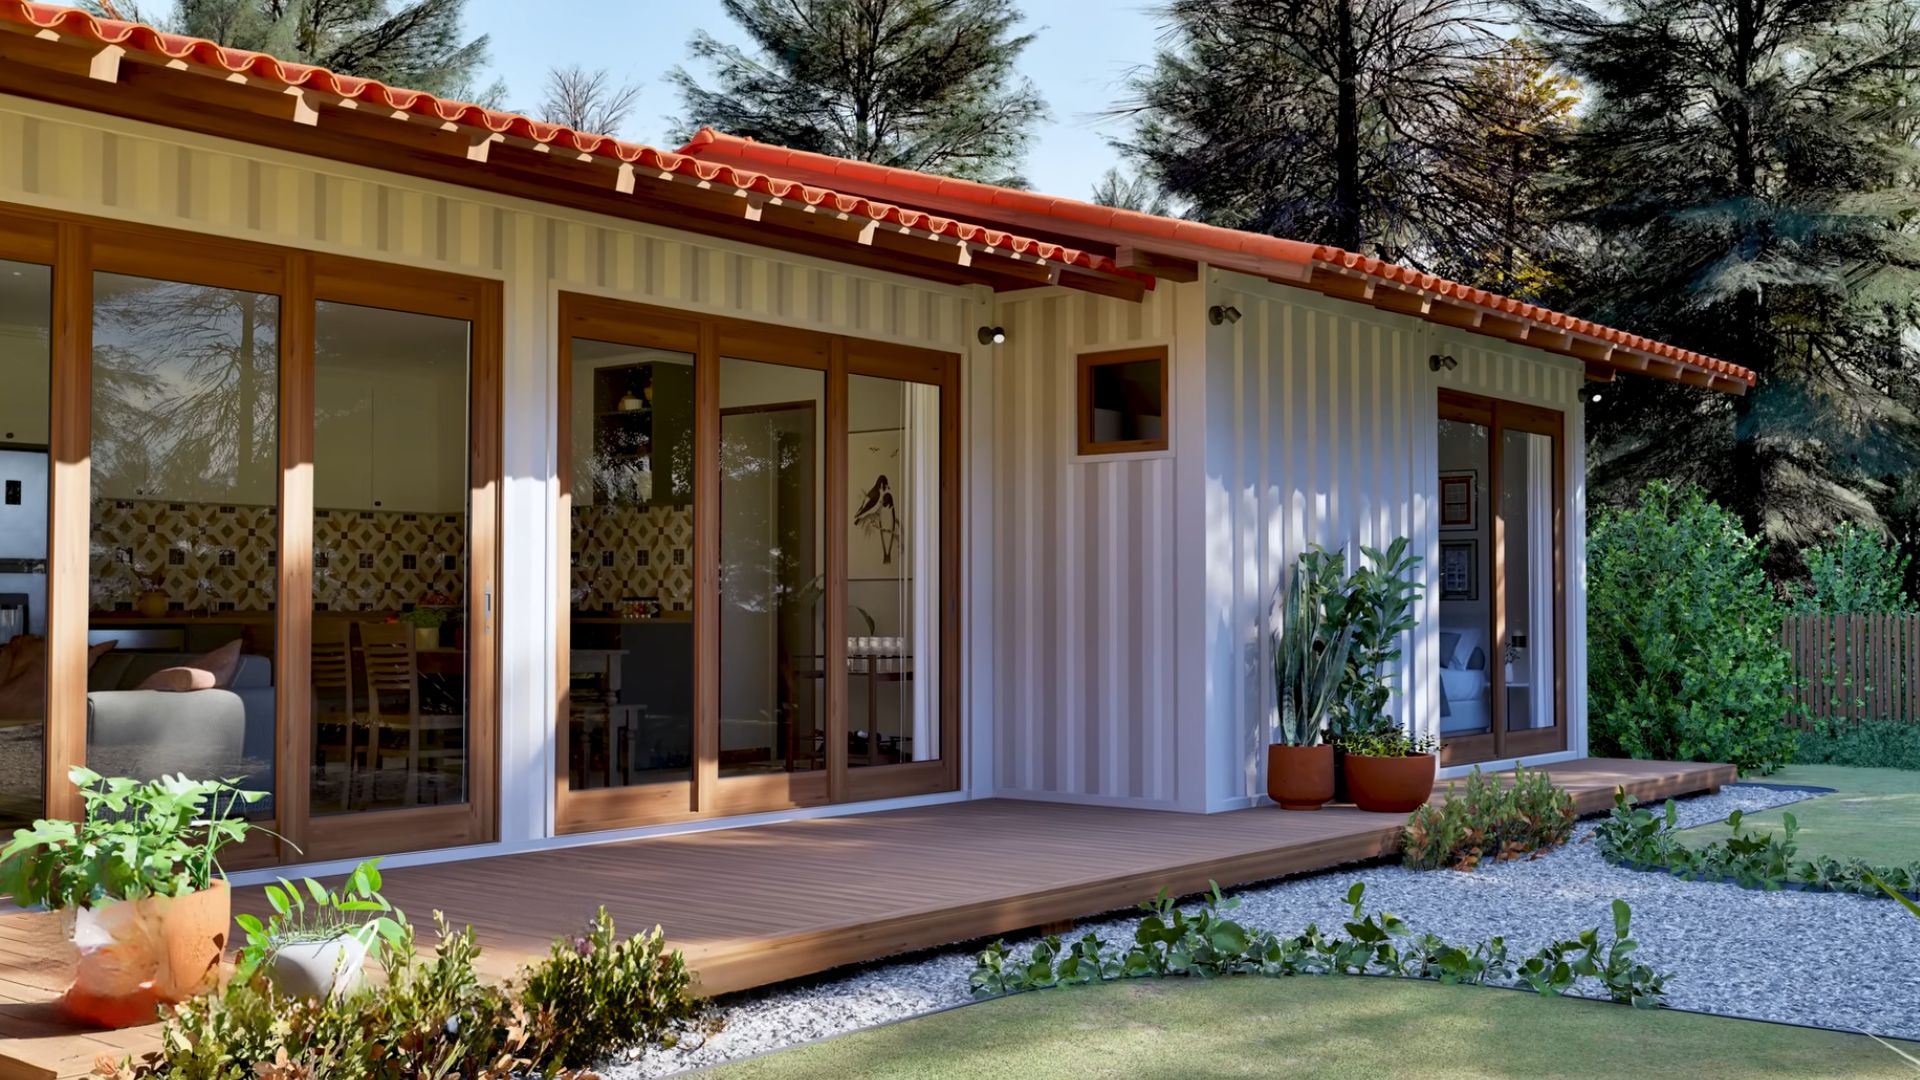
(1744, 186)
(420, 46)
(1330, 121)
(918, 84)
(1123, 192)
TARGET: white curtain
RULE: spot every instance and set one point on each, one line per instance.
(921, 446)
(1540, 566)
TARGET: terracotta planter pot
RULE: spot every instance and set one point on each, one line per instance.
(137, 955)
(1391, 785)
(1299, 777)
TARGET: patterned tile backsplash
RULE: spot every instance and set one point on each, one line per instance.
(221, 557)
(621, 552)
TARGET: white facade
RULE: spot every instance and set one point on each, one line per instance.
(1114, 635)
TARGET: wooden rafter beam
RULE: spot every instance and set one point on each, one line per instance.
(1160, 266)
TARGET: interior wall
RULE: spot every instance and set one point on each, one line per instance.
(71, 160)
(1322, 429)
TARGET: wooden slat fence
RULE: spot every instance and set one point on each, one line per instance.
(1857, 667)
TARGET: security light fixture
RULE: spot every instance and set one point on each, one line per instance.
(1218, 314)
(993, 335)
(1439, 362)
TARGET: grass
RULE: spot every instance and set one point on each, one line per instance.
(1874, 814)
(1339, 1028)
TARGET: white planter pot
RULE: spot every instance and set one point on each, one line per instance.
(306, 969)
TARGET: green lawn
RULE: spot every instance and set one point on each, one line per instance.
(1874, 814)
(1326, 1026)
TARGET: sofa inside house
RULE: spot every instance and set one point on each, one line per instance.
(220, 732)
(1466, 702)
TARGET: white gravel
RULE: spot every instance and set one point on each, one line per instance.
(1825, 959)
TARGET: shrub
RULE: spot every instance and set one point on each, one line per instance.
(1207, 943)
(603, 994)
(1855, 570)
(1489, 820)
(1867, 744)
(1683, 637)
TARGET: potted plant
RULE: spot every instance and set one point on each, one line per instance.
(138, 880)
(1309, 665)
(426, 623)
(1389, 772)
(317, 941)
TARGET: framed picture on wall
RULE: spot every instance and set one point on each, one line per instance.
(877, 484)
(1457, 501)
(1459, 570)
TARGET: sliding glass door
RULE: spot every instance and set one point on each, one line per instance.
(1501, 580)
(758, 526)
(248, 532)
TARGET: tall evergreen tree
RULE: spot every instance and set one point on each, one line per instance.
(1123, 192)
(1745, 187)
(419, 46)
(1329, 121)
(919, 84)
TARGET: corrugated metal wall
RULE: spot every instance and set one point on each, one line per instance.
(1084, 562)
(1322, 428)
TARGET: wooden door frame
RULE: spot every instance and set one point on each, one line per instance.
(1500, 416)
(709, 339)
(77, 247)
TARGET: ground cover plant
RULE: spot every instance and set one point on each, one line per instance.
(1873, 815)
(1637, 837)
(1330, 1029)
(1489, 820)
(432, 1015)
(1207, 943)
(1866, 744)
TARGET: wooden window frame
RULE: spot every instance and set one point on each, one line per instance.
(1083, 401)
(1499, 417)
(77, 247)
(709, 339)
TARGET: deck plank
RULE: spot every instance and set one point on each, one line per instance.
(759, 905)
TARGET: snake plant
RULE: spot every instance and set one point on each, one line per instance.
(1309, 656)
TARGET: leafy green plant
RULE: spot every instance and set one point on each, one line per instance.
(1684, 654)
(136, 838)
(1206, 942)
(1865, 744)
(1376, 601)
(1489, 820)
(1855, 570)
(312, 912)
(1636, 837)
(425, 618)
(603, 994)
(1309, 655)
(1391, 742)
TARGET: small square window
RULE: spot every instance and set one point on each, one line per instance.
(1123, 401)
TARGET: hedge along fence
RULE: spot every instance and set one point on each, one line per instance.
(1856, 667)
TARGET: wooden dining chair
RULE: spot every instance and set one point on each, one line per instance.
(392, 671)
(331, 677)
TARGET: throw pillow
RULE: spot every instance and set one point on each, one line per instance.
(215, 669)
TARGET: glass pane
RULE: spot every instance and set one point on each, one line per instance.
(390, 552)
(1526, 506)
(1126, 401)
(185, 531)
(631, 696)
(1465, 579)
(26, 319)
(893, 571)
(772, 568)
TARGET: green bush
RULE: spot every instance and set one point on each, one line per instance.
(1683, 637)
(1855, 570)
(1489, 820)
(1868, 744)
(604, 994)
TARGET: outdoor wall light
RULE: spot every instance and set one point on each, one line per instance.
(1218, 314)
(993, 335)
(1595, 398)
(1438, 362)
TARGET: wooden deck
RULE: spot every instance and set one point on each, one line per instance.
(760, 905)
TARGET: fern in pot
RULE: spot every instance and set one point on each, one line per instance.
(139, 885)
(1309, 665)
(317, 941)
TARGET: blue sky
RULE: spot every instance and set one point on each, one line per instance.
(1081, 52)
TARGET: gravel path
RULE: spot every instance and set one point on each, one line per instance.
(1810, 958)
